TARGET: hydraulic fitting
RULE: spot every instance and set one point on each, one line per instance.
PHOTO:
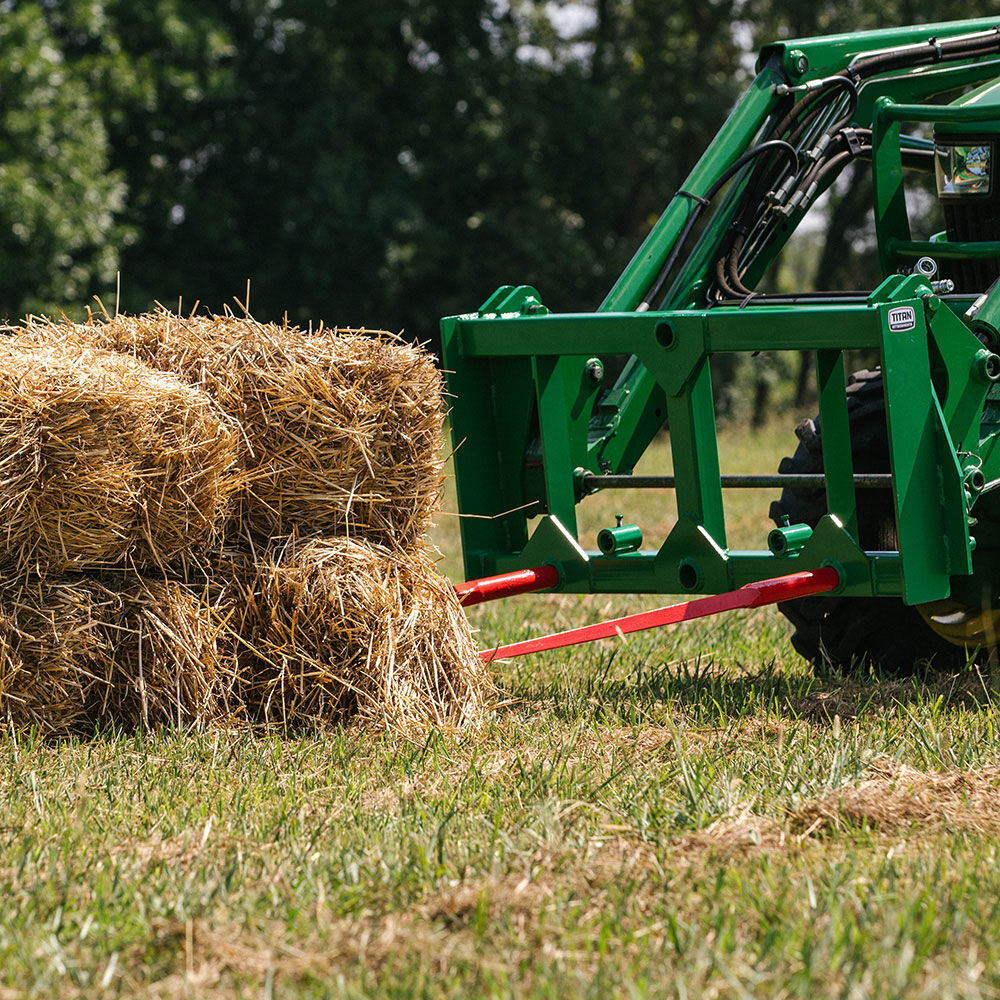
(789, 539)
(986, 365)
(621, 538)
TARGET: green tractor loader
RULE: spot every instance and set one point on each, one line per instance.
(893, 490)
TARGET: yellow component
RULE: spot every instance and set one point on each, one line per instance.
(961, 624)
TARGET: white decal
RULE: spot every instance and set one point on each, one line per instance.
(902, 318)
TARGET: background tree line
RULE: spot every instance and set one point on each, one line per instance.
(365, 162)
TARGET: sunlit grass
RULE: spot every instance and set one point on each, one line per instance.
(640, 820)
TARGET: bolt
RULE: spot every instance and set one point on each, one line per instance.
(594, 371)
(986, 365)
(798, 62)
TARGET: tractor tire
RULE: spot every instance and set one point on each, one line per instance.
(857, 634)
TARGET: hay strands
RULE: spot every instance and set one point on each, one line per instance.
(341, 430)
(348, 629)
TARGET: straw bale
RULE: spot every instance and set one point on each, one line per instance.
(175, 661)
(104, 461)
(80, 651)
(56, 640)
(342, 429)
(346, 629)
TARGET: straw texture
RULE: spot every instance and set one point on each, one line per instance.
(175, 661)
(346, 629)
(341, 429)
(76, 652)
(280, 482)
(105, 462)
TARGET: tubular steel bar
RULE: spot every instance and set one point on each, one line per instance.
(806, 480)
(492, 588)
(753, 595)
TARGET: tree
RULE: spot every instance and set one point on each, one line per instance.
(389, 163)
(60, 230)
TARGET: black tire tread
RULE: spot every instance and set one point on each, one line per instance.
(857, 633)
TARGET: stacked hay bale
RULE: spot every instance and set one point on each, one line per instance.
(107, 469)
(354, 628)
(78, 651)
(341, 431)
(306, 587)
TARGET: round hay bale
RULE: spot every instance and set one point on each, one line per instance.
(106, 462)
(342, 430)
(346, 629)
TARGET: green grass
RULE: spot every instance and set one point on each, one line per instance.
(636, 822)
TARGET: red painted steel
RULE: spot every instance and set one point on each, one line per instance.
(492, 588)
(753, 595)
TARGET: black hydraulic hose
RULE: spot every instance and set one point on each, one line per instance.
(703, 200)
(767, 174)
(983, 43)
(833, 83)
(733, 265)
(805, 112)
(795, 137)
(833, 160)
(834, 163)
(722, 277)
(823, 148)
(801, 115)
(804, 104)
(728, 271)
(790, 129)
(829, 133)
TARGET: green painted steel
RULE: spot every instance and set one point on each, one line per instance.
(533, 413)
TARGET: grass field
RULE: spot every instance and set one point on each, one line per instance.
(688, 814)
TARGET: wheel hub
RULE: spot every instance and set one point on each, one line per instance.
(962, 624)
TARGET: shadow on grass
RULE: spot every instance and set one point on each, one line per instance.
(711, 695)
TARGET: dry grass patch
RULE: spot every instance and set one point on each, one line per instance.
(744, 832)
(897, 797)
(182, 851)
(212, 956)
(893, 798)
(440, 927)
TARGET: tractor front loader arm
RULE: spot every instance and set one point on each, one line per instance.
(537, 428)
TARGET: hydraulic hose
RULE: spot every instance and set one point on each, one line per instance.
(829, 150)
(702, 201)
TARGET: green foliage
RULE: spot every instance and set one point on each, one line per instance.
(366, 163)
(60, 205)
(387, 163)
(805, 18)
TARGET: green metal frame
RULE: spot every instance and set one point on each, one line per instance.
(530, 416)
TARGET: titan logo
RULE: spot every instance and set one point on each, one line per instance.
(902, 318)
